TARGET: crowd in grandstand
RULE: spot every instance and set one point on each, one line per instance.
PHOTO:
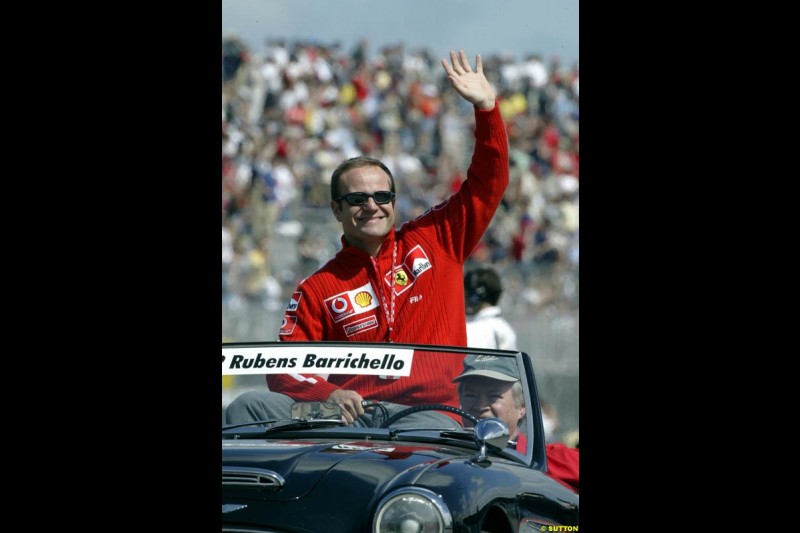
(293, 110)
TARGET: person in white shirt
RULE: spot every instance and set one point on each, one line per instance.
(486, 328)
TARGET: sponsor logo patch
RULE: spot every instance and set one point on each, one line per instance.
(401, 278)
(359, 326)
(351, 303)
(417, 260)
(288, 324)
(294, 301)
(405, 275)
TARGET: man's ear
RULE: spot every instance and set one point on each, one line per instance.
(337, 210)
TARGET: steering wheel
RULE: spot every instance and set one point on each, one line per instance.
(430, 407)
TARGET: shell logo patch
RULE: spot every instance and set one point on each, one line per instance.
(363, 299)
(351, 303)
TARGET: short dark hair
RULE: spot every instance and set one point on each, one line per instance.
(482, 285)
(357, 162)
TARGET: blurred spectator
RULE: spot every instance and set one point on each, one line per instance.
(486, 328)
(550, 421)
(571, 438)
(234, 53)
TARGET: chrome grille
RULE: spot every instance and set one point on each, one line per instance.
(257, 478)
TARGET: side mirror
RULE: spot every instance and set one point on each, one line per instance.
(491, 432)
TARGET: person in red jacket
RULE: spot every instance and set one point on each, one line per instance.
(391, 284)
(489, 387)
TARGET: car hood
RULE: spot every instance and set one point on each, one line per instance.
(334, 485)
(303, 465)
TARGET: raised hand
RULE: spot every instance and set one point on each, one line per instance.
(472, 86)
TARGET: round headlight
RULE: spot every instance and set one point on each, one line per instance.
(412, 510)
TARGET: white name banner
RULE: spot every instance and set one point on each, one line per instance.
(323, 360)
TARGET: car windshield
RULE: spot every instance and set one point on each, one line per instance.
(406, 388)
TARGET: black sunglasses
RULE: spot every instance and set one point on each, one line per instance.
(360, 198)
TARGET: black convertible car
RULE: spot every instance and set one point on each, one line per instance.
(398, 469)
